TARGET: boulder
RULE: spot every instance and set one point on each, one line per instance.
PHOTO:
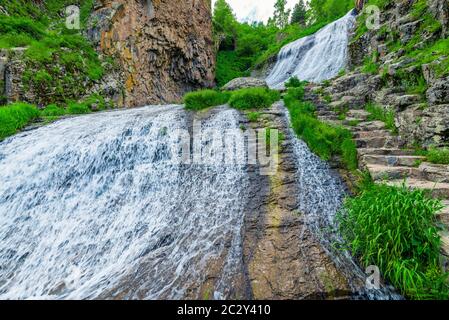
(244, 83)
(440, 11)
(438, 93)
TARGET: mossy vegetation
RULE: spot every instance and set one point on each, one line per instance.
(395, 229)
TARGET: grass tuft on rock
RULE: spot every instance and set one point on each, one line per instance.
(253, 98)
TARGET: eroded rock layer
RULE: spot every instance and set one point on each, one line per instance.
(164, 47)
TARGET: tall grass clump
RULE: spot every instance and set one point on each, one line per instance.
(395, 229)
(78, 108)
(52, 110)
(14, 117)
(438, 155)
(323, 139)
(253, 98)
(381, 114)
(204, 99)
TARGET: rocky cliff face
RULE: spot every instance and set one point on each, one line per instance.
(402, 67)
(164, 47)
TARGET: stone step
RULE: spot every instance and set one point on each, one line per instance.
(438, 190)
(361, 115)
(382, 173)
(328, 118)
(385, 151)
(435, 172)
(377, 142)
(443, 215)
(371, 134)
(392, 160)
(444, 243)
(369, 126)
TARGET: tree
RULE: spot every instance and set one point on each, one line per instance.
(225, 25)
(299, 14)
(281, 14)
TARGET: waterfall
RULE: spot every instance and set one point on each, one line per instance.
(315, 58)
(89, 208)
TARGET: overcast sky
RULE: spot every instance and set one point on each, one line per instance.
(254, 10)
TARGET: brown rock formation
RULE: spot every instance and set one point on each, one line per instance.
(164, 47)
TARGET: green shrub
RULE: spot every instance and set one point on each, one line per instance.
(438, 156)
(78, 108)
(15, 117)
(53, 110)
(253, 98)
(205, 98)
(394, 229)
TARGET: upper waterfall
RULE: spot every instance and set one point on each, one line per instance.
(314, 58)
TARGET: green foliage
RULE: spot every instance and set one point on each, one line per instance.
(205, 98)
(323, 139)
(381, 114)
(56, 57)
(328, 10)
(394, 229)
(14, 117)
(253, 116)
(78, 108)
(299, 14)
(370, 66)
(95, 102)
(281, 14)
(52, 110)
(253, 98)
(230, 66)
(294, 82)
(438, 156)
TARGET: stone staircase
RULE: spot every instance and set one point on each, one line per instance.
(383, 155)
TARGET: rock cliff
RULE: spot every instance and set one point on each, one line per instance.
(164, 47)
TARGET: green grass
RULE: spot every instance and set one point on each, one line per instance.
(253, 98)
(395, 229)
(16, 116)
(78, 108)
(438, 155)
(205, 99)
(381, 114)
(323, 139)
(53, 110)
(253, 116)
(294, 82)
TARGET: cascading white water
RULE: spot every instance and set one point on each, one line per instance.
(321, 193)
(89, 208)
(315, 58)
